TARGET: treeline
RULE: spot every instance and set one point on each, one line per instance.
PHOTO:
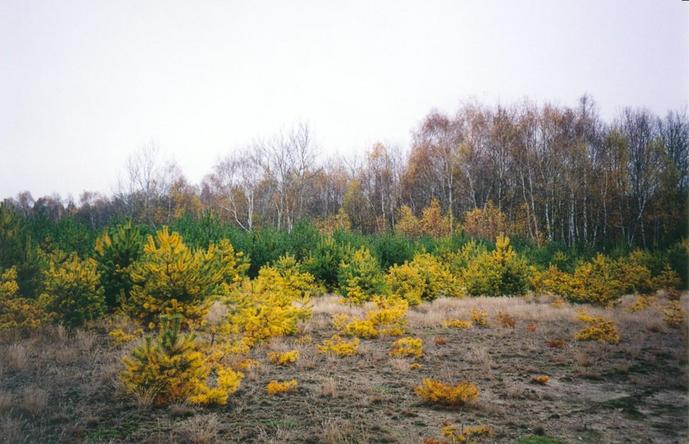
(546, 174)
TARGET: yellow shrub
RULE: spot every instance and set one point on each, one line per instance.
(641, 303)
(173, 368)
(436, 392)
(634, 272)
(599, 329)
(248, 364)
(479, 317)
(362, 328)
(72, 289)
(667, 279)
(172, 279)
(340, 320)
(360, 277)
(17, 312)
(269, 306)
(673, 314)
(501, 272)
(389, 318)
(119, 336)
(304, 340)
(403, 347)
(339, 346)
(284, 358)
(601, 280)
(276, 387)
(424, 278)
(466, 433)
(457, 323)
(303, 285)
(541, 379)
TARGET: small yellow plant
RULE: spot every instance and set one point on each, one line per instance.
(437, 392)
(275, 387)
(541, 379)
(415, 366)
(340, 320)
(465, 434)
(458, 323)
(339, 346)
(362, 328)
(479, 317)
(673, 314)
(599, 329)
(17, 312)
(640, 303)
(304, 340)
(119, 336)
(173, 368)
(248, 364)
(412, 347)
(284, 358)
(389, 318)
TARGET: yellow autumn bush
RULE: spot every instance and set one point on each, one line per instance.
(339, 346)
(275, 387)
(466, 433)
(172, 279)
(284, 358)
(174, 367)
(673, 314)
(360, 277)
(436, 392)
(458, 323)
(599, 329)
(500, 272)
(602, 280)
(479, 317)
(407, 347)
(270, 305)
(17, 312)
(425, 278)
(388, 318)
(73, 290)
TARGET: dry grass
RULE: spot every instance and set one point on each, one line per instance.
(64, 384)
(328, 388)
(6, 401)
(16, 357)
(32, 400)
(11, 430)
(199, 429)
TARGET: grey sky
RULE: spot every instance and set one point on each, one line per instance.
(84, 83)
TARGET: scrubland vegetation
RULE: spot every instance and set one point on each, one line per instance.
(474, 309)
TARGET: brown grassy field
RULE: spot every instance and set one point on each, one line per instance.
(57, 386)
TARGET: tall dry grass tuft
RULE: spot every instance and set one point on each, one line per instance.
(11, 430)
(17, 357)
(200, 429)
(32, 400)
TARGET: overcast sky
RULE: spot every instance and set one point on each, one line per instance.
(83, 84)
